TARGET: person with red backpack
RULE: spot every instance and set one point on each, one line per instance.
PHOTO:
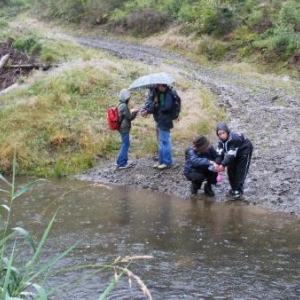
(125, 118)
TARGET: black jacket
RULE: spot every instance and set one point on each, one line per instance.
(235, 146)
(161, 111)
(199, 162)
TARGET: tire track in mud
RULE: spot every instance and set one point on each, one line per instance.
(268, 114)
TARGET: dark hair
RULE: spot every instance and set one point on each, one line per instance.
(201, 142)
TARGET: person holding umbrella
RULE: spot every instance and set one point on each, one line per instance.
(159, 103)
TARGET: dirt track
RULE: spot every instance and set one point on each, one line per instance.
(268, 114)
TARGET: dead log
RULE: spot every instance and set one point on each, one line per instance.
(3, 61)
(31, 66)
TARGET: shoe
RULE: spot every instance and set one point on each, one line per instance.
(129, 162)
(194, 189)
(156, 165)
(164, 166)
(208, 190)
(229, 193)
(127, 166)
(236, 194)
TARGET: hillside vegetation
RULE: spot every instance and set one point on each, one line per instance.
(266, 32)
(57, 119)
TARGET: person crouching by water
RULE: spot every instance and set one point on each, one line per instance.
(200, 157)
(125, 117)
(236, 152)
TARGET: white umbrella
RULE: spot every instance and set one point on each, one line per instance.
(151, 80)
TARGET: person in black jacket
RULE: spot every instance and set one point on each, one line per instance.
(159, 103)
(199, 157)
(236, 152)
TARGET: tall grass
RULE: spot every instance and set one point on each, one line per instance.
(21, 279)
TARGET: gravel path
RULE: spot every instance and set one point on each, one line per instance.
(267, 114)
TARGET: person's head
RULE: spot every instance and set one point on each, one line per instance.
(201, 144)
(222, 131)
(124, 96)
(162, 87)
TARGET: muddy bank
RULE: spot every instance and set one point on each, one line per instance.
(266, 113)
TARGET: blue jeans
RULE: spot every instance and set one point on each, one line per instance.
(165, 147)
(123, 154)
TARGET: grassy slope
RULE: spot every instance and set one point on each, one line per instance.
(57, 119)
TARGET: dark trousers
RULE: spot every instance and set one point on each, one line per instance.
(198, 177)
(237, 171)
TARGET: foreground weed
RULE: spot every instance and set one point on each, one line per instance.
(26, 279)
(22, 280)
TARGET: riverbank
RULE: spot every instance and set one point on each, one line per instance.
(265, 108)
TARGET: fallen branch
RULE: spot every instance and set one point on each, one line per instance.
(32, 66)
(3, 61)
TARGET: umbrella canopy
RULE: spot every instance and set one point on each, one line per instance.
(151, 80)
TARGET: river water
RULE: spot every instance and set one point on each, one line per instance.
(200, 249)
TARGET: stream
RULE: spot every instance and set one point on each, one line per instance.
(200, 249)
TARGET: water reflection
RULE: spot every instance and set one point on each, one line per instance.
(201, 250)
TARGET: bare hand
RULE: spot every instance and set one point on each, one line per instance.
(220, 168)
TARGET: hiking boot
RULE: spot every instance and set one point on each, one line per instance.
(208, 190)
(229, 193)
(194, 189)
(236, 194)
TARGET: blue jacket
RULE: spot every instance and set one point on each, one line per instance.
(160, 108)
(199, 162)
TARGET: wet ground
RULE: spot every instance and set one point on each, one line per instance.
(199, 249)
(267, 113)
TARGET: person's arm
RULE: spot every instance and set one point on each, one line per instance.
(134, 113)
(197, 161)
(149, 105)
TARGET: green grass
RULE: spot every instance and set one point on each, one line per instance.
(57, 119)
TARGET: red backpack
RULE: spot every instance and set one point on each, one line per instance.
(113, 118)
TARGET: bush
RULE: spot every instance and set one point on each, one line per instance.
(141, 22)
(282, 41)
(29, 45)
(211, 48)
(289, 16)
(207, 18)
(3, 23)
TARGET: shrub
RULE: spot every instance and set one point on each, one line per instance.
(141, 22)
(3, 23)
(29, 45)
(212, 49)
(289, 16)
